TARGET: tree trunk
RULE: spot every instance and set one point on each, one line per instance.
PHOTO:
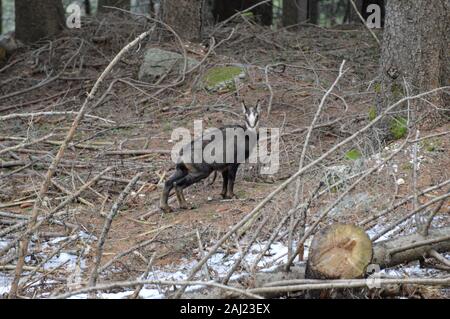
(350, 14)
(294, 12)
(38, 19)
(313, 11)
(87, 7)
(124, 4)
(263, 13)
(1, 17)
(185, 17)
(339, 252)
(223, 9)
(414, 50)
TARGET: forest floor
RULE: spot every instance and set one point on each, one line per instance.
(140, 116)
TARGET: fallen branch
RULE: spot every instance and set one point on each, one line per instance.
(53, 113)
(352, 283)
(107, 226)
(268, 198)
(45, 185)
(25, 144)
(156, 282)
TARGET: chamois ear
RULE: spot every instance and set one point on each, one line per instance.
(244, 107)
(258, 106)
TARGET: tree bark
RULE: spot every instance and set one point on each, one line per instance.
(415, 50)
(124, 4)
(185, 17)
(87, 7)
(1, 17)
(263, 13)
(313, 11)
(350, 14)
(294, 12)
(38, 19)
(223, 9)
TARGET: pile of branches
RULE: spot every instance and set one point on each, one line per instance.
(49, 209)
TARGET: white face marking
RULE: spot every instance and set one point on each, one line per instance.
(251, 116)
(252, 119)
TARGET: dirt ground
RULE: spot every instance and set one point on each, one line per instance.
(143, 119)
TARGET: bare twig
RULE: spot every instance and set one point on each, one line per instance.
(157, 282)
(364, 22)
(25, 144)
(45, 185)
(433, 253)
(305, 148)
(101, 241)
(144, 276)
(282, 186)
(352, 283)
(54, 212)
(407, 216)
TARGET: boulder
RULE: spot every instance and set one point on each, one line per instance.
(159, 62)
(221, 78)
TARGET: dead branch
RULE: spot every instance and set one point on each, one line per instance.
(414, 212)
(433, 253)
(55, 212)
(352, 283)
(45, 185)
(101, 241)
(25, 144)
(144, 276)
(156, 282)
(268, 198)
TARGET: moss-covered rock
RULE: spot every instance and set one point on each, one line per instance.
(222, 77)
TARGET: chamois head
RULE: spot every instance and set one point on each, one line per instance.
(251, 115)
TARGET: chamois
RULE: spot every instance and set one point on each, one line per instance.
(239, 146)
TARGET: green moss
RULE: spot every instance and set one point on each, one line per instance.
(407, 167)
(372, 113)
(431, 145)
(222, 77)
(398, 127)
(397, 91)
(353, 154)
(377, 87)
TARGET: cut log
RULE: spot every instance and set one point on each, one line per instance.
(339, 251)
(382, 256)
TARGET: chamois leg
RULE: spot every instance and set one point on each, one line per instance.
(168, 185)
(224, 183)
(180, 197)
(231, 177)
(192, 177)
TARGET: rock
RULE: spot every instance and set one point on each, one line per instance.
(350, 202)
(221, 78)
(400, 181)
(159, 62)
(9, 43)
